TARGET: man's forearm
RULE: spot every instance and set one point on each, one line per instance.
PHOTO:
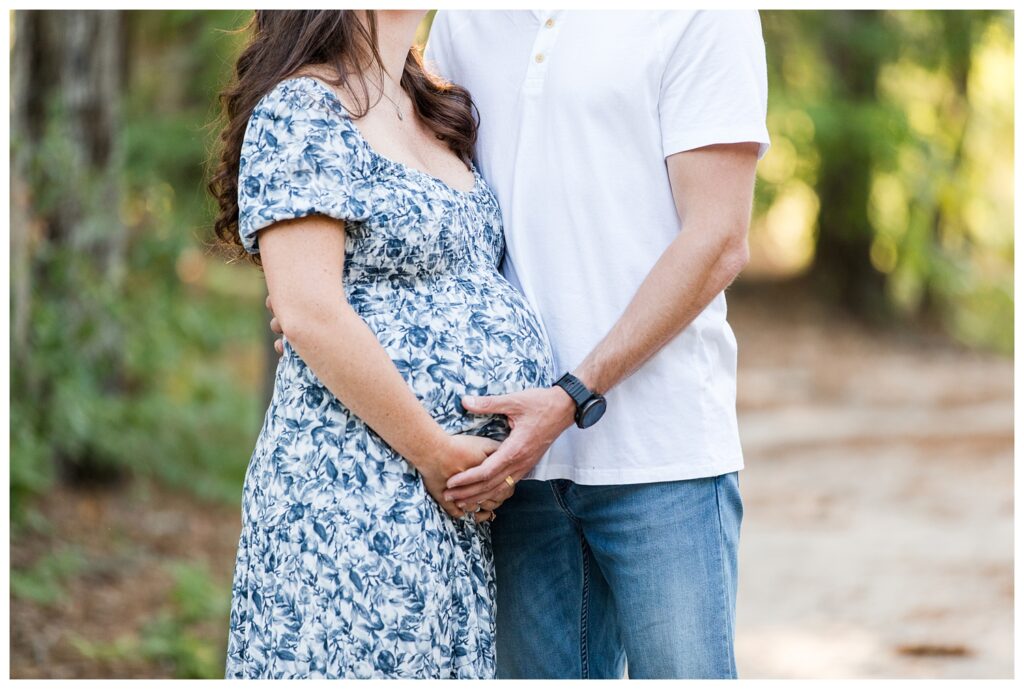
(695, 268)
(713, 188)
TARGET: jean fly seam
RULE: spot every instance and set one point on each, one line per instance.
(585, 610)
(560, 499)
(585, 602)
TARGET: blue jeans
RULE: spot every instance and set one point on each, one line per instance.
(592, 576)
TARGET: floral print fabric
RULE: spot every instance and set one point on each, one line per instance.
(346, 566)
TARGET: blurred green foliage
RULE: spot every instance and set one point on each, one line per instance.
(180, 635)
(890, 178)
(43, 582)
(187, 397)
(187, 635)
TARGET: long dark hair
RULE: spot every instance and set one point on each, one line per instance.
(282, 43)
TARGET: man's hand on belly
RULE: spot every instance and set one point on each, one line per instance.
(537, 417)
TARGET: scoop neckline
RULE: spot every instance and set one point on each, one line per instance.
(477, 179)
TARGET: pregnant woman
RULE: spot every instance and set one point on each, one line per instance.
(346, 173)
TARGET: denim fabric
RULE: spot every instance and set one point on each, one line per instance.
(590, 577)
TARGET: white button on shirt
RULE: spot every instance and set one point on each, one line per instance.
(578, 111)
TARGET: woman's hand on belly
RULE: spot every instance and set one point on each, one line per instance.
(459, 453)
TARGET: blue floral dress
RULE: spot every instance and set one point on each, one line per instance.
(346, 566)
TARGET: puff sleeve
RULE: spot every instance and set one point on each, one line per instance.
(300, 156)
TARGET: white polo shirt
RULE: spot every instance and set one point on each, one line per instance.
(578, 111)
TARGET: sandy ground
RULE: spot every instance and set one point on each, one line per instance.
(877, 537)
(878, 529)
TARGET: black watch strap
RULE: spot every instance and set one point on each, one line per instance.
(576, 389)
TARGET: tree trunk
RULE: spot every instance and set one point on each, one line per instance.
(842, 263)
(24, 112)
(68, 244)
(91, 90)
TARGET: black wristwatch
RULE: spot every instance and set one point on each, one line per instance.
(590, 406)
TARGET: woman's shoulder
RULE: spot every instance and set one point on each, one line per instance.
(301, 96)
(300, 156)
(302, 115)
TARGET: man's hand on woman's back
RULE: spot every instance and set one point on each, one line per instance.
(276, 327)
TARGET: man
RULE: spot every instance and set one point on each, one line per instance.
(622, 147)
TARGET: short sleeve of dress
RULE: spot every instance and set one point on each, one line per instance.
(300, 156)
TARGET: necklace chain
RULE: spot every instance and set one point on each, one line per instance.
(398, 110)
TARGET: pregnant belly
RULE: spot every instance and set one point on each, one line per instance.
(481, 340)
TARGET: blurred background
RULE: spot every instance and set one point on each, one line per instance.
(875, 325)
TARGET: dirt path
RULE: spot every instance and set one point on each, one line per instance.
(878, 530)
(877, 539)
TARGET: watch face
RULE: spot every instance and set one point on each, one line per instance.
(592, 411)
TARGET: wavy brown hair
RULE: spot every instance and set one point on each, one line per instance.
(284, 42)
